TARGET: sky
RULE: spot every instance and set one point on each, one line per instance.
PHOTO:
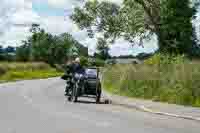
(16, 17)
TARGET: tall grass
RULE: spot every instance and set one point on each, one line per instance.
(21, 66)
(10, 71)
(172, 83)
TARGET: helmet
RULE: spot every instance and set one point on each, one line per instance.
(77, 60)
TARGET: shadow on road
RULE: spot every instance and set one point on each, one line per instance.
(91, 100)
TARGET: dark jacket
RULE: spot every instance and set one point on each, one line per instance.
(76, 68)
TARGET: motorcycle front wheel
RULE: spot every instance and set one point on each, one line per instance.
(75, 92)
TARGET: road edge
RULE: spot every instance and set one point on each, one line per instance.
(142, 108)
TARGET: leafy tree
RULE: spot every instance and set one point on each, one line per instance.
(1, 49)
(170, 20)
(143, 56)
(9, 49)
(102, 49)
(176, 26)
(195, 49)
(43, 46)
(23, 52)
(61, 47)
(2, 57)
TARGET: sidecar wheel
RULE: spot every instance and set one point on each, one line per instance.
(98, 95)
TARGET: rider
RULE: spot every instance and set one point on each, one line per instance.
(75, 67)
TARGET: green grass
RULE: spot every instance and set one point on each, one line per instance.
(21, 71)
(172, 83)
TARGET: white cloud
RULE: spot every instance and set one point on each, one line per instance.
(64, 3)
(55, 24)
(14, 35)
(15, 16)
(114, 1)
(196, 23)
(122, 47)
(69, 4)
(58, 4)
(24, 16)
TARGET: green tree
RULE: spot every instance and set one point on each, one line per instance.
(1, 50)
(61, 47)
(195, 49)
(102, 49)
(43, 46)
(176, 26)
(23, 52)
(2, 56)
(170, 20)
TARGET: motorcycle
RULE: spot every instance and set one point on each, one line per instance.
(84, 84)
(77, 87)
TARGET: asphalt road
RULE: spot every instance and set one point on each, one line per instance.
(39, 106)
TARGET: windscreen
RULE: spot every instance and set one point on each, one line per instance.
(91, 72)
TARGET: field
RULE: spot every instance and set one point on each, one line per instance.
(171, 83)
(20, 71)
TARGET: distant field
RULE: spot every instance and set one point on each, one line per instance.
(173, 83)
(20, 71)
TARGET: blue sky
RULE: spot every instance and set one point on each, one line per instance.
(43, 8)
(16, 17)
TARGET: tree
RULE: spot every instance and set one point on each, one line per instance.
(176, 26)
(170, 20)
(23, 52)
(43, 46)
(9, 49)
(102, 49)
(143, 56)
(2, 56)
(61, 47)
(195, 49)
(1, 50)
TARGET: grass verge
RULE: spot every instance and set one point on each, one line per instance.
(173, 83)
(21, 71)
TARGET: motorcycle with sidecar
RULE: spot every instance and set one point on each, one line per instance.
(87, 84)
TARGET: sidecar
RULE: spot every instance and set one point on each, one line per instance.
(90, 85)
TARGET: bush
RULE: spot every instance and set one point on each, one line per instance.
(111, 62)
(99, 62)
(59, 67)
(159, 59)
(96, 62)
(172, 83)
(84, 61)
(3, 70)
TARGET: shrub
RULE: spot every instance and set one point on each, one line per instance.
(96, 62)
(3, 70)
(84, 61)
(59, 67)
(99, 62)
(159, 59)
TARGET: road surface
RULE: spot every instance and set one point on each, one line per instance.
(38, 106)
